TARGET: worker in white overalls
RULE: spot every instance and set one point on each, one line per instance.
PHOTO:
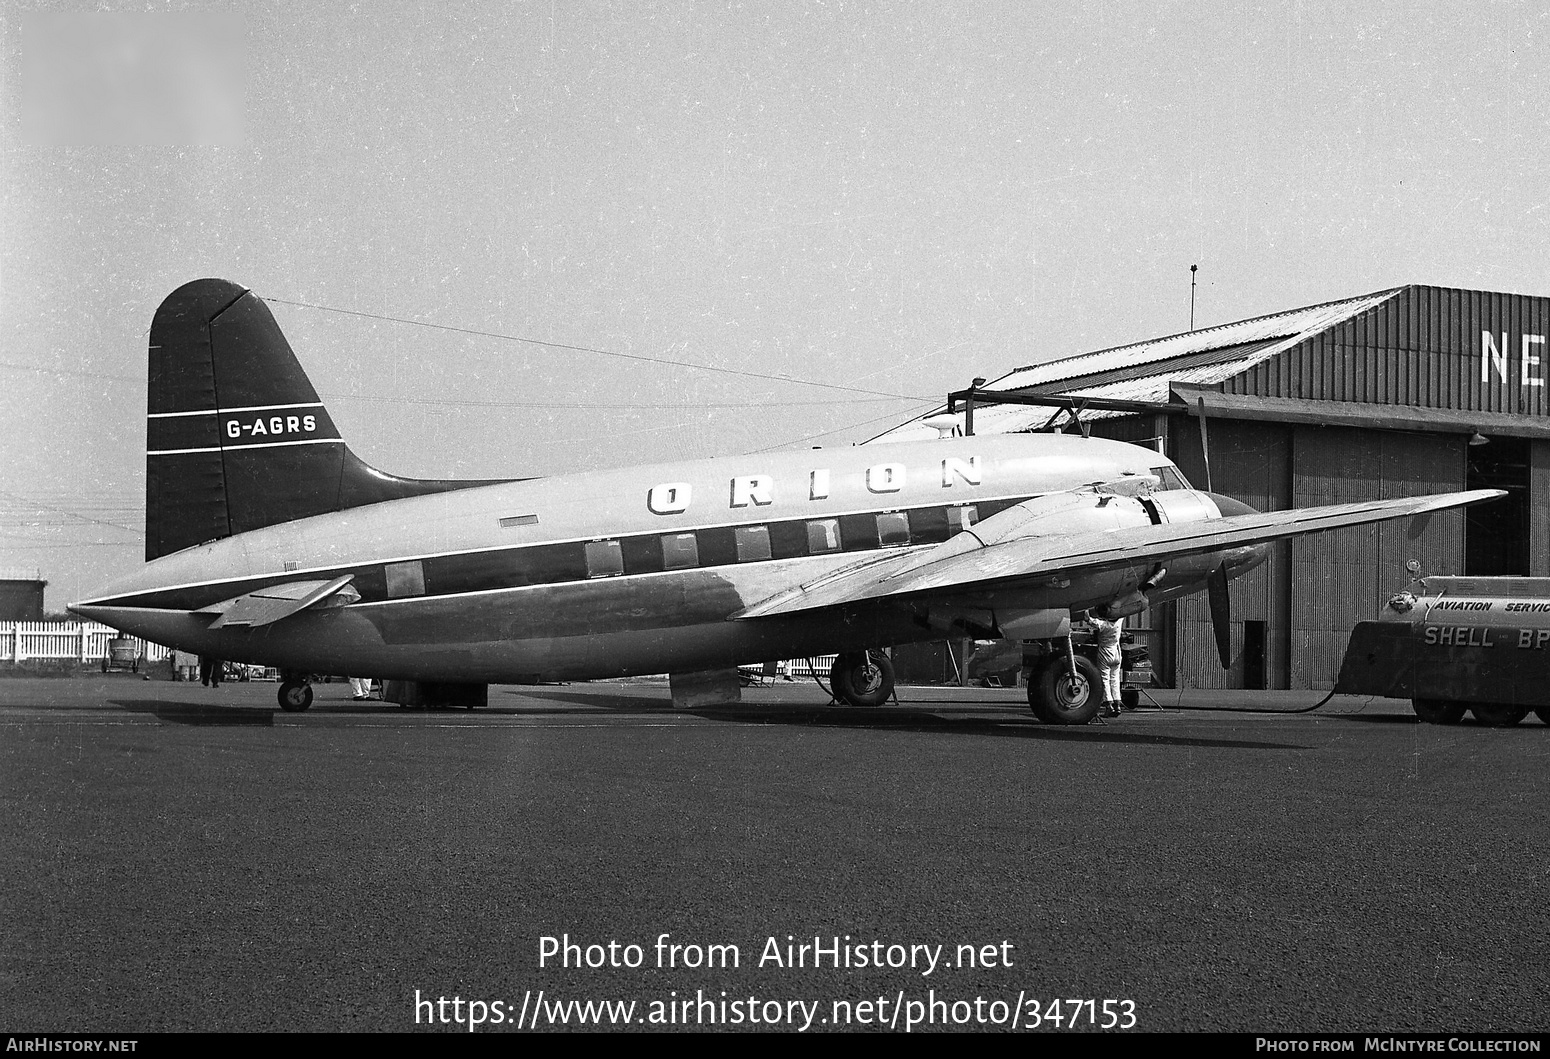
(1106, 638)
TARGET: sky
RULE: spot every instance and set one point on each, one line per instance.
(844, 209)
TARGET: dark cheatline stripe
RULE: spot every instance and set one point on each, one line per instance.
(553, 564)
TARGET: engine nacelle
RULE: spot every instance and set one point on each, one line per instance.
(1062, 514)
(1001, 623)
(1114, 591)
(1123, 605)
(1184, 505)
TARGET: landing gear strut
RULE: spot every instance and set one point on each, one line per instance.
(862, 678)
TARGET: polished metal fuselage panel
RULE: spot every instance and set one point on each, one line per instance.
(482, 623)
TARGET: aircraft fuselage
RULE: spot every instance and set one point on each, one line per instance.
(637, 570)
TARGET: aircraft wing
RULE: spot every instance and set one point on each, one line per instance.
(952, 566)
(269, 605)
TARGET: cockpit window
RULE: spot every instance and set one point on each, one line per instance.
(1169, 478)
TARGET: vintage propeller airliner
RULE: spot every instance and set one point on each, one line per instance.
(268, 541)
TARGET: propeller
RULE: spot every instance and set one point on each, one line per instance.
(1205, 442)
(1217, 595)
(1221, 613)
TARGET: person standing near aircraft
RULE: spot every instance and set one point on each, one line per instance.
(1106, 636)
(210, 671)
(360, 688)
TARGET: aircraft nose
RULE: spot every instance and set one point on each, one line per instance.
(1228, 506)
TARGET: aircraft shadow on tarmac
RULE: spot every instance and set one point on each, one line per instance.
(1014, 724)
(198, 713)
(1013, 727)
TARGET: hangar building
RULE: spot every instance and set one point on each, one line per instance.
(1406, 391)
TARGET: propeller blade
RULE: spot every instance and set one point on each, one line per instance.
(1221, 613)
(1205, 441)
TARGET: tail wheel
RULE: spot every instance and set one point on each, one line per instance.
(862, 678)
(1439, 711)
(1498, 714)
(295, 696)
(1059, 695)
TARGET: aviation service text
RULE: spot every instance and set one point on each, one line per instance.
(835, 952)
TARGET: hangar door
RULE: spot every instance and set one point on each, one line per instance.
(1340, 578)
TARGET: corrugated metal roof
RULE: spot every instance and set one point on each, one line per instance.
(1143, 370)
(1208, 361)
(1290, 327)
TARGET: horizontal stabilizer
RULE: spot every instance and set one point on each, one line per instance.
(953, 567)
(269, 605)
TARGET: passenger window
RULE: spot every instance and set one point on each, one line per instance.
(893, 528)
(753, 543)
(823, 535)
(604, 559)
(680, 551)
(929, 525)
(405, 579)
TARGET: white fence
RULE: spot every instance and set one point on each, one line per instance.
(809, 667)
(80, 641)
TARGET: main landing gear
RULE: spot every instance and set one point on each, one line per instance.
(295, 694)
(862, 678)
(1065, 690)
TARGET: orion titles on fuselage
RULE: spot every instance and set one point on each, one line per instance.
(758, 490)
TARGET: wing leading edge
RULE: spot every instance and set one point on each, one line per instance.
(963, 562)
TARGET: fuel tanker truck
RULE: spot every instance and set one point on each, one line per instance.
(1457, 644)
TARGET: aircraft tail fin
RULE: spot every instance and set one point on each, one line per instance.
(236, 437)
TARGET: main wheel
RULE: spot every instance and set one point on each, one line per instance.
(1060, 696)
(1439, 711)
(295, 696)
(1498, 714)
(862, 678)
